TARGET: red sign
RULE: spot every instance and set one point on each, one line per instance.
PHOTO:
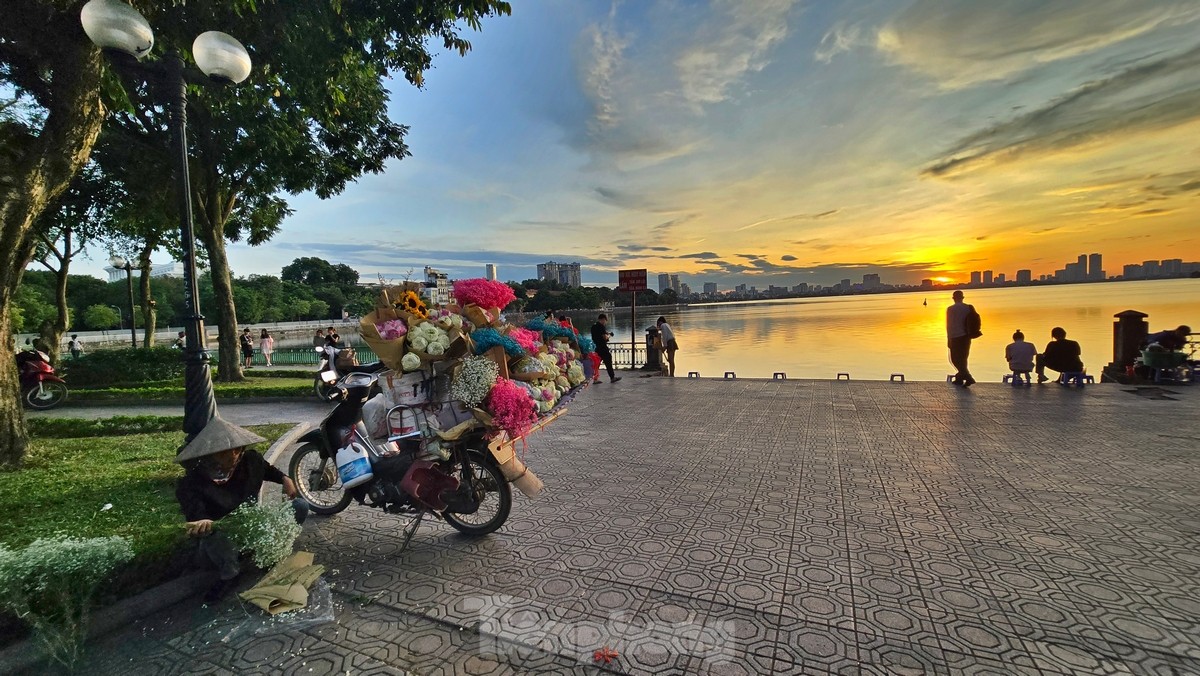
(631, 280)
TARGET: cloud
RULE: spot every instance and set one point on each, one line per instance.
(737, 44)
(638, 248)
(605, 61)
(703, 255)
(1156, 95)
(630, 200)
(788, 257)
(960, 44)
(841, 38)
(787, 219)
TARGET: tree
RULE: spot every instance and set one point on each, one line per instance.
(309, 270)
(50, 114)
(312, 118)
(101, 317)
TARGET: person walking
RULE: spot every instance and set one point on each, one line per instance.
(267, 345)
(600, 336)
(962, 326)
(75, 346)
(247, 342)
(669, 345)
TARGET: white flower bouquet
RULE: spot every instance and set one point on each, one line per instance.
(268, 531)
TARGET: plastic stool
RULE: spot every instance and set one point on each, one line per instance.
(730, 375)
(847, 378)
(950, 378)
(1076, 377)
(1018, 378)
(779, 375)
(895, 376)
(693, 374)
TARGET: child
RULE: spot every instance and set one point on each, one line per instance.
(1020, 356)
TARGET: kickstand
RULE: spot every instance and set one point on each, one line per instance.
(411, 530)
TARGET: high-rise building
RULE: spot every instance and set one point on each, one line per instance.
(675, 284)
(438, 289)
(1024, 276)
(802, 287)
(1132, 271)
(710, 288)
(976, 278)
(1095, 271)
(871, 281)
(664, 282)
(1000, 278)
(1172, 267)
(489, 271)
(566, 274)
(1151, 269)
(845, 285)
(684, 290)
(926, 283)
(171, 269)
(987, 276)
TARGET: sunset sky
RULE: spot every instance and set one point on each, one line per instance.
(777, 142)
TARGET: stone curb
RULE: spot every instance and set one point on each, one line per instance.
(22, 657)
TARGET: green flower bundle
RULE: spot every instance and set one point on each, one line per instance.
(268, 531)
(51, 583)
(476, 377)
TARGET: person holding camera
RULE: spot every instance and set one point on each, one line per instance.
(600, 336)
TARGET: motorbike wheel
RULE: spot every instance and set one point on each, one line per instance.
(49, 395)
(322, 390)
(492, 491)
(317, 481)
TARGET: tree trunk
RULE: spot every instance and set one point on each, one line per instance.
(52, 331)
(149, 314)
(45, 165)
(229, 368)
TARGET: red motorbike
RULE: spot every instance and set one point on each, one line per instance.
(41, 388)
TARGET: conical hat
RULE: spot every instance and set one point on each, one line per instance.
(217, 436)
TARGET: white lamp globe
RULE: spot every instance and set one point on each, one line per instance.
(221, 57)
(117, 262)
(112, 24)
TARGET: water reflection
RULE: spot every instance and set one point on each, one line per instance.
(874, 336)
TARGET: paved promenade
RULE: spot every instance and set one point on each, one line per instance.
(795, 527)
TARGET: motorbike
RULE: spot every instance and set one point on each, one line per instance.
(416, 471)
(324, 382)
(41, 388)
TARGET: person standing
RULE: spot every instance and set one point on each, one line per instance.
(247, 342)
(180, 341)
(332, 338)
(75, 346)
(669, 345)
(1060, 355)
(267, 344)
(962, 326)
(319, 338)
(600, 336)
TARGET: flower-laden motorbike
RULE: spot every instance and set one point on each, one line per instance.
(416, 470)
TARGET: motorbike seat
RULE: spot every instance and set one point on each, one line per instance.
(455, 433)
(375, 367)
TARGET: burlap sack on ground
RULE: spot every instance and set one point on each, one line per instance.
(285, 587)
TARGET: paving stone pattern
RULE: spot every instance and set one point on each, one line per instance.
(783, 527)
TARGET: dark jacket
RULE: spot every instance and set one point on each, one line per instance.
(1062, 355)
(600, 336)
(200, 498)
(1168, 339)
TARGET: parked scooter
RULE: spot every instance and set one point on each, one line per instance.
(450, 474)
(41, 388)
(325, 380)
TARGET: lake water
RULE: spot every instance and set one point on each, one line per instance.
(872, 336)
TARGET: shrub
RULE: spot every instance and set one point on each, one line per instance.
(125, 367)
(267, 530)
(51, 583)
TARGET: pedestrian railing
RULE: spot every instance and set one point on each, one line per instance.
(300, 356)
(625, 354)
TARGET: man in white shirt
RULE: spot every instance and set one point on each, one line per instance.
(670, 346)
(1021, 357)
(958, 339)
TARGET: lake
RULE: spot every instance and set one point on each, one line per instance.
(873, 336)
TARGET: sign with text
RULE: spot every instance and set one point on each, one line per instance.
(631, 280)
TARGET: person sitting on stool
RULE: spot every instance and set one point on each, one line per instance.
(221, 475)
(1060, 355)
(1020, 356)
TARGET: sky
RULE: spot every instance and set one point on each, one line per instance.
(781, 141)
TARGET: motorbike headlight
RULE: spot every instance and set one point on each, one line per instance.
(328, 377)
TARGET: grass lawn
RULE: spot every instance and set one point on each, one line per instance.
(67, 481)
(251, 387)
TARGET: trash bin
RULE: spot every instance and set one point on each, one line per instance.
(653, 356)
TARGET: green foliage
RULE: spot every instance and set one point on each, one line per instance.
(251, 387)
(34, 305)
(78, 428)
(101, 317)
(51, 585)
(268, 530)
(125, 367)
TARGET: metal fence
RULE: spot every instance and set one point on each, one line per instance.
(307, 356)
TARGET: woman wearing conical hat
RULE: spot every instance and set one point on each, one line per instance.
(222, 473)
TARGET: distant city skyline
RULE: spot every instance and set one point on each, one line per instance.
(777, 142)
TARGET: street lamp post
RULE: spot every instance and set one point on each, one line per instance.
(120, 316)
(121, 264)
(125, 37)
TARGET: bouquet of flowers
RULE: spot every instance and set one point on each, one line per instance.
(268, 530)
(474, 380)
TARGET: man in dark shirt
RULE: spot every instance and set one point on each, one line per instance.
(221, 475)
(600, 336)
(1171, 340)
(1060, 355)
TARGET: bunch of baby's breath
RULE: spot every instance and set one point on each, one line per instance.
(266, 530)
(475, 378)
(51, 583)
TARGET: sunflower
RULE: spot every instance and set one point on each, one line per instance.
(411, 303)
